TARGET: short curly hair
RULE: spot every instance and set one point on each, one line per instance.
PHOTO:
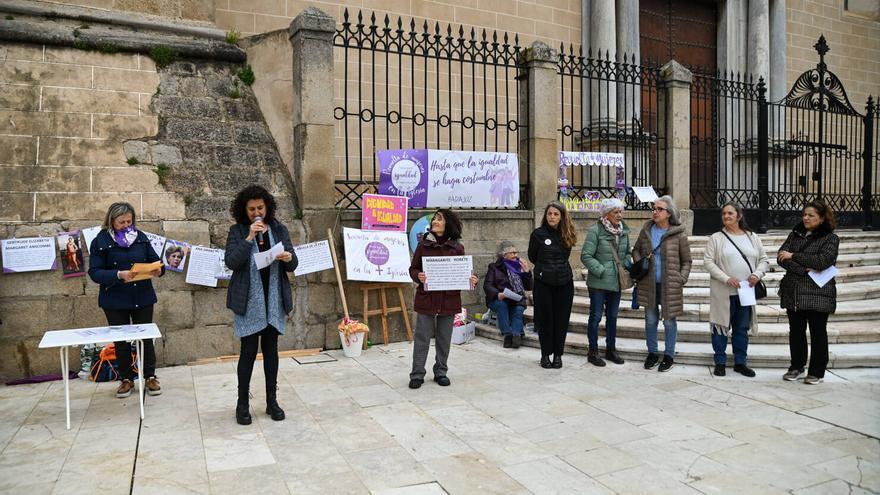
(238, 209)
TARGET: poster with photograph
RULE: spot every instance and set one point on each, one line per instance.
(202, 268)
(376, 256)
(386, 213)
(156, 240)
(223, 271)
(71, 254)
(89, 234)
(30, 254)
(445, 178)
(174, 255)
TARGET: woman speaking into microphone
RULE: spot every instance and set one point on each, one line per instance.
(260, 297)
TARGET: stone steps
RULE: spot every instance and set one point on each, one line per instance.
(776, 238)
(847, 291)
(633, 326)
(771, 279)
(760, 355)
(862, 310)
(851, 246)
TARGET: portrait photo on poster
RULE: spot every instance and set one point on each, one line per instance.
(70, 250)
(174, 255)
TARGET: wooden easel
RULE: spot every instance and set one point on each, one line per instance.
(384, 310)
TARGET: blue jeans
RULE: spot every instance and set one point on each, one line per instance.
(740, 320)
(510, 317)
(610, 302)
(652, 320)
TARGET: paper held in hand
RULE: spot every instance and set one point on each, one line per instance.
(266, 258)
(746, 294)
(513, 296)
(823, 277)
(448, 272)
(143, 271)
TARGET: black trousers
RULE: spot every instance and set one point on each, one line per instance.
(123, 349)
(797, 340)
(552, 314)
(267, 340)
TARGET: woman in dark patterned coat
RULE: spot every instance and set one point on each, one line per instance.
(811, 247)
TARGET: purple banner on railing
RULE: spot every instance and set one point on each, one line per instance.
(404, 173)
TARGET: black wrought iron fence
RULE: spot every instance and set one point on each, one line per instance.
(723, 140)
(403, 86)
(611, 105)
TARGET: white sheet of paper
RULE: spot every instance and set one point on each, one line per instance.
(823, 277)
(90, 234)
(313, 257)
(447, 272)
(513, 296)
(746, 294)
(266, 258)
(202, 269)
(29, 254)
(645, 194)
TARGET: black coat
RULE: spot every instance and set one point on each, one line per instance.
(497, 280)
(550, 257)
(106, 259)
(238, 259)
(817, 251)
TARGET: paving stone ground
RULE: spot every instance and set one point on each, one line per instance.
(504, 426)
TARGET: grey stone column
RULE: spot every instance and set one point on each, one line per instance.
(629, 96)
(311, 35)
(603, 39)
(586, 13)
(542, 140)
(778, 61)
(759, 39)
(675, 111)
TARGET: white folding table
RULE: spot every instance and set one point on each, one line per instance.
(100, 335)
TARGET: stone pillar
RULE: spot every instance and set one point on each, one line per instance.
(603, 39)
(778, 63)
(586, 12)
(759, 39)
(311, 35)
(675, 111)
(542, 141)
(629, 96)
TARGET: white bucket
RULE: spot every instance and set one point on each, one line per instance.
(356, 344)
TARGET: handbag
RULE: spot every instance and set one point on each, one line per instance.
(760, 288)
(640, 269)
(623, 276)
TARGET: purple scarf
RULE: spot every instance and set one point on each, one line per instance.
(125, 237)
(514, 274)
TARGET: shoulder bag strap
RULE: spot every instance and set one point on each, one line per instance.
(740, 251)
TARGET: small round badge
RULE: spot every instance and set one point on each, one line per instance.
(547, 241)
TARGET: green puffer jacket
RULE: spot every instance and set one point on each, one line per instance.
(598, 256)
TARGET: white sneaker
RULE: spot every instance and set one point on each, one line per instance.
(812, 380)
(793, 375)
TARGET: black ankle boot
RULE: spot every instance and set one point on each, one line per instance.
(273, 409)
(612, 355)
(557, 361)
(545, 362)
(242, 414)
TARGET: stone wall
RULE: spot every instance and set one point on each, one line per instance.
(192, 10)
(854, 42)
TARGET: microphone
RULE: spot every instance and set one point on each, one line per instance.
(259, 234)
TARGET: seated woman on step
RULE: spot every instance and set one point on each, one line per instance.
(508, 273)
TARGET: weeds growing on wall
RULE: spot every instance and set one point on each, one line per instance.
(232, 36)
(132, 161)
(162, 171)
(163, 55)
(246, 75)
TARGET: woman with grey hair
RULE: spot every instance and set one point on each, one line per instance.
(112, 253)
(733, 255)
(606, 255)
(664, 241)
(505, 284)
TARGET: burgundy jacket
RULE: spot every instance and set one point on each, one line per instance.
(444, 302)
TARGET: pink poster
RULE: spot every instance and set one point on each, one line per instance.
(386, 213)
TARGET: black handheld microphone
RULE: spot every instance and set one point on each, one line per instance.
(259, 234)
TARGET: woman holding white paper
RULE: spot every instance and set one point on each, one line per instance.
(810, 247)
(733, 256)
(117, 247)
(261, 299)
(435, 310)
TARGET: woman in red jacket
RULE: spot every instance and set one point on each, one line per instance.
(435, 309)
